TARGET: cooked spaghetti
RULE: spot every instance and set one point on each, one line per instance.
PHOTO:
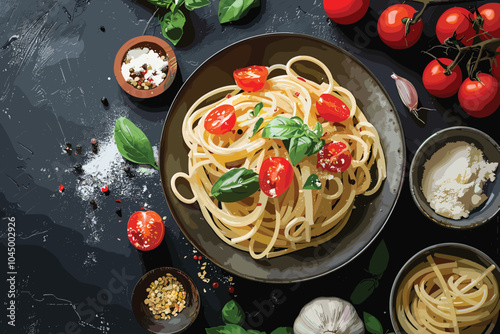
(448, 294)
(270, 226)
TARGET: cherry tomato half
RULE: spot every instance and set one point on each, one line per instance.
(346, 11)
(391, 28)
(480, 99)
(252, 78)
(455, 19)
(334, 157)
(145, 230)
(332, 108)
(275, 176)
(220, 120)
(490, 12)
(439, 84)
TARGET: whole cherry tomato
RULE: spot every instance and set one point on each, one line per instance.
(275, 176)
(346, 11)
(145, 230)
(252, 78)
(391, 27)
(495, 69)
(490, 12)
(455, 19)
(332, 108)
(220, 120)
(334, 157)
(480, 99)
(439, 84)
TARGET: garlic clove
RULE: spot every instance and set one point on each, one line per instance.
(328, 315)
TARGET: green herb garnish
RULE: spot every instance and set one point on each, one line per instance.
(258, 107)
(235, 185)
(299, 140)
(132, 143)
(257, 125)
(233, 10)
(312, 183)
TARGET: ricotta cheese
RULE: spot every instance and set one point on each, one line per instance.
(454, 177)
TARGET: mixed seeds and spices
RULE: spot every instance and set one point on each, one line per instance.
(144, 69)
(166, 297)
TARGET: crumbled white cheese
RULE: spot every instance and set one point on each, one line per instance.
(454, 177)
(137, 57)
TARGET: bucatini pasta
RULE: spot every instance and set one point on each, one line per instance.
(448, 294)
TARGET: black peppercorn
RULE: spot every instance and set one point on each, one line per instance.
(78, 168)
(93, 203)
(105, 101)
(240, 131)
(119, 212)
(102, 28)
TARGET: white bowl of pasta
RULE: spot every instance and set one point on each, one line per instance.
(447, 287)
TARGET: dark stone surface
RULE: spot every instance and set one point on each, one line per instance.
(56, 64)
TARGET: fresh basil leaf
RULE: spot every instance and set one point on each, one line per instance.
(282, 128)
(214, 330)
(299, 148)
(257, 125)
(318, 130)
(380, 260)
(257, 109)
(232, 313)
(161, 3)
(172, 24)
(317, 147)
(372, 324)
(312, 183)
(132, 143)
(233, 10)
(283, 330)
(235, 185)
(233, 329)
(195, 4)
(299, 121)
(363, 290)
(176, 5)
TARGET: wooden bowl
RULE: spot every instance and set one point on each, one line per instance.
(159, 46)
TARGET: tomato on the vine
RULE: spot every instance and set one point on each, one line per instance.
(437, 82)
(480, 98)
(334, 157)
(220, 120)
(332, 108)
(455, 19)
(490, 13)
(145, 230)
(275, 176)
(391, 27)
(251, 78)
(346, 11)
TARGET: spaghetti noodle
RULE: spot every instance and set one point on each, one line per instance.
(299, 218)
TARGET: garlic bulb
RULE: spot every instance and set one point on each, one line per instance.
(328, 316)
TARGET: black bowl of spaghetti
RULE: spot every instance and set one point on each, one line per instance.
(261, 237)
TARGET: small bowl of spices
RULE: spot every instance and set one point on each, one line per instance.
(145, 66)
(165, 300)
(454, 177)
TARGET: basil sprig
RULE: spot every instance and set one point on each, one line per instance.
(132, 143)
(299, 140)
(235, 185)
(257, 125)
(233, 10)
(173, 21)
(258, 107)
